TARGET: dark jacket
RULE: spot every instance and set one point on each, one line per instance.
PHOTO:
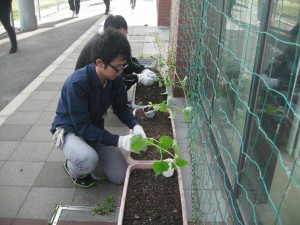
(83, 102)
(132, 65)
(6, 4)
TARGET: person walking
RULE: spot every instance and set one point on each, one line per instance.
(107, 4)
(78, 127)
(5, 10)
(74, 7)
(132, 3)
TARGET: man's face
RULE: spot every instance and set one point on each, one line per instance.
(112, 70)
(123, 31)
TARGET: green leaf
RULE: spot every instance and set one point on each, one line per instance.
(180, 162)
(270, 109)
(156, 106)
(138, 143)
(163, 106)
(165, 142)
(176, 149)
(160, 84)
(150, 141)
(160, 166)
(105, 206)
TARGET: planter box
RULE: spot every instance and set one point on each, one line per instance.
(148, 213)
(142, 95)
(169, 129)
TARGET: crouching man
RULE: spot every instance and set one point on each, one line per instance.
(78, 126)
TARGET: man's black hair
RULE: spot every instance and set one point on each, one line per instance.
(116, 22)
(110, 44)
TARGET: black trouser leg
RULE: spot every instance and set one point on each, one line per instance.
(5, 20)
(77, 6)
(107, 3)
(71, 4)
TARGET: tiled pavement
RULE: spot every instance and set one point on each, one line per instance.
(32, 179)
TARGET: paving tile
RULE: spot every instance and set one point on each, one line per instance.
(33, 106)
(88, 216)
(2, 163)
(29, 222)
(56, 155)
(39, 133)
(23, 118)
(52, 106)
(53, 175)
(46, 118)
(16, 132)
(6, 221)
(41, 202)
(50, 86)
(188, 204)
(32, 151)
(11, 199)
(86, 223)
(7, 148)
(42, 95)
(57, 78)
(63, 71)
(186, 176)
(181, 135)
(93, 196)
(19, 173)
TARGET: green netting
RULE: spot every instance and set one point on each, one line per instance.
(241, 59)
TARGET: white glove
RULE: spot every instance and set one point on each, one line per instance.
(150, 74)
(144, 79)
(124, 142)
(137, 129)
(101, 30)
(58, 137)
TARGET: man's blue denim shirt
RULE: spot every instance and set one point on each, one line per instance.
(83, 102)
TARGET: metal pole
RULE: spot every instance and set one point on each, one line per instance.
(27, 15)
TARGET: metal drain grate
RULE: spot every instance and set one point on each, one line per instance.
(60, 208)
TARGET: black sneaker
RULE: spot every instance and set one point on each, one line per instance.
(84, 181)
(13, 49)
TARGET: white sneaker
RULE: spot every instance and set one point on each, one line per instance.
(73, 13)
(76, 15)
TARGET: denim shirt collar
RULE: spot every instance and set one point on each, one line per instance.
(91, 73)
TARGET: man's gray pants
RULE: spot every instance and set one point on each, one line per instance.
(83, 158)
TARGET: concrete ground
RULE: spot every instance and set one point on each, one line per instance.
(32, 180)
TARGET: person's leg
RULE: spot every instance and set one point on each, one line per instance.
(82, 159)
(107, 3)
(5, 20)
(71, 4)
(112, 163)
(77, 6)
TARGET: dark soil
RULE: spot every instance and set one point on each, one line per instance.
(152, 200)
(155, 127)
(146, 94)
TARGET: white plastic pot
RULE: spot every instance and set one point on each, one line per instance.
(170, 171)
(149, 111)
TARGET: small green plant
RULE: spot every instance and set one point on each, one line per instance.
(105, 206)
(164, 144)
